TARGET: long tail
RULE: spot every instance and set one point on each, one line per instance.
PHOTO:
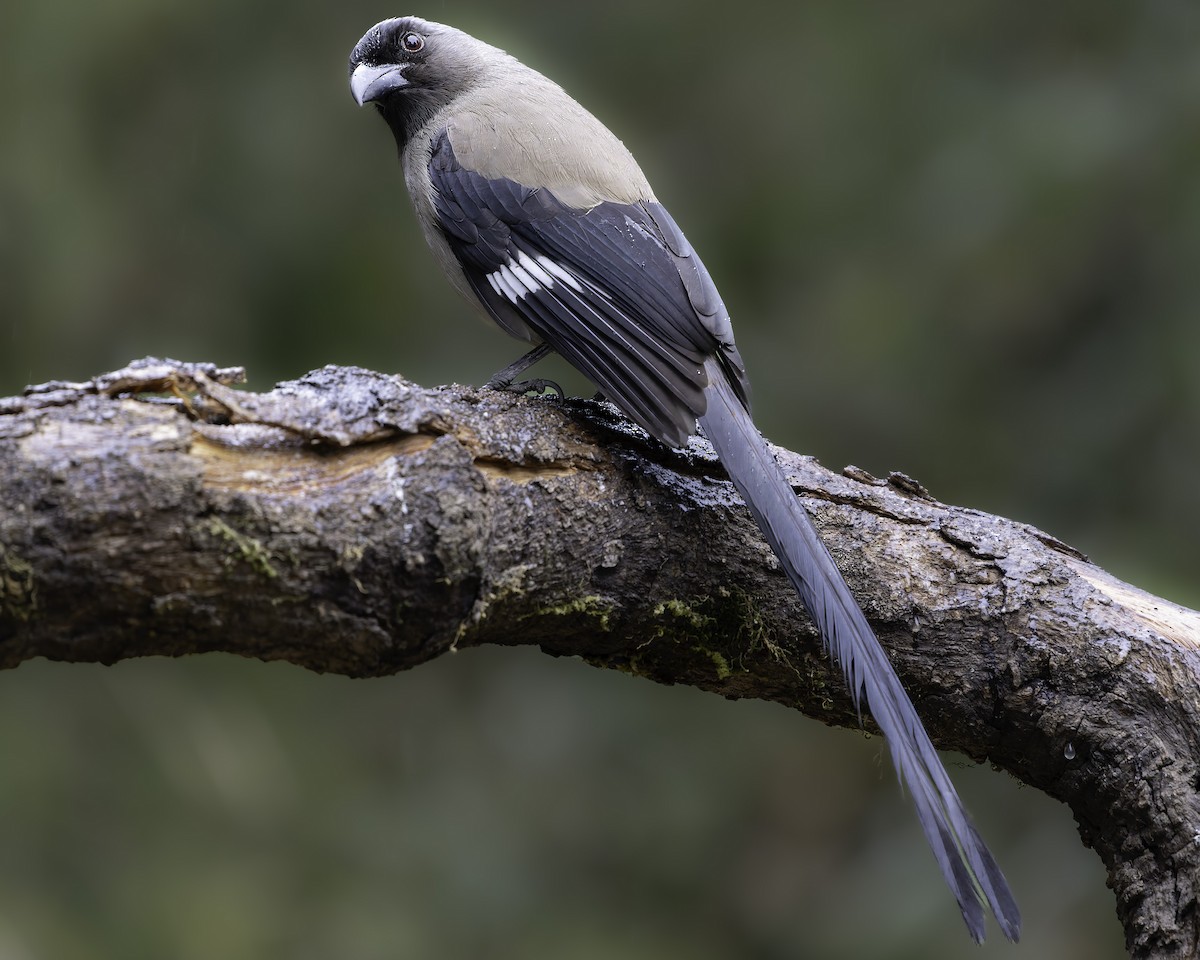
(965, 861)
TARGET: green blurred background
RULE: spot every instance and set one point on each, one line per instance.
(958, 240)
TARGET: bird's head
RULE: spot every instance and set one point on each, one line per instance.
(409, 68)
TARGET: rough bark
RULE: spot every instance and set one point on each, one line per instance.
(357, 523)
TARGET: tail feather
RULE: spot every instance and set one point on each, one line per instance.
(965, 862)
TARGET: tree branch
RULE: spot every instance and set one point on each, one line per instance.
(358, 523)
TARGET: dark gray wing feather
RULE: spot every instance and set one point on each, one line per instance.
(613, 295)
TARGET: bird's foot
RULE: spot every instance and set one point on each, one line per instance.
(538, 386)
(506, 379)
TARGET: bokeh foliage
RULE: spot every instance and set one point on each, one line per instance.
(958, 240)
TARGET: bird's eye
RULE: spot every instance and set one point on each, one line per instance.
(412, 42)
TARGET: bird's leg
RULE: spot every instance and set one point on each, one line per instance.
(506, 379)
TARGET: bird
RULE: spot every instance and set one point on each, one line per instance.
(540, 215)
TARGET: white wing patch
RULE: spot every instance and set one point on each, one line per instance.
(518, 278)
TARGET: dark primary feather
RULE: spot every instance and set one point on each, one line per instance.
(643, 320)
